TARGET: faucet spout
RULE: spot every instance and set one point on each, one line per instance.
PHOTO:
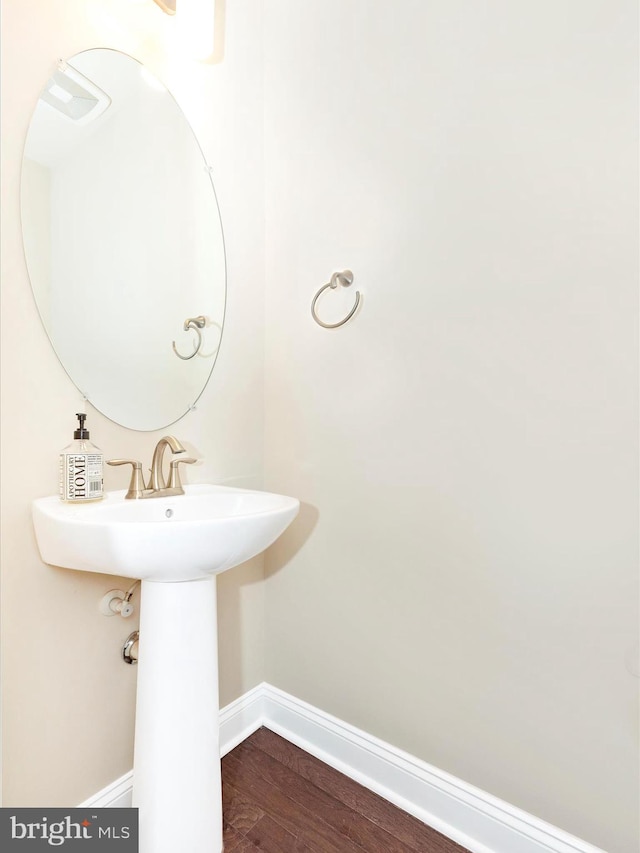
(158, 481)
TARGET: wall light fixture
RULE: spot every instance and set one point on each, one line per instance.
(168, 6)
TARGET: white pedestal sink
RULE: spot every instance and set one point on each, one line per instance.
(176, 545)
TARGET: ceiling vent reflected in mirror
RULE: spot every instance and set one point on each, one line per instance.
(75, 96)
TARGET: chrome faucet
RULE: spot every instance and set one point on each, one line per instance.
(158, 487)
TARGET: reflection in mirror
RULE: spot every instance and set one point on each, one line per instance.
(123, 239)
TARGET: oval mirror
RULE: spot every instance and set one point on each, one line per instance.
(123, 239)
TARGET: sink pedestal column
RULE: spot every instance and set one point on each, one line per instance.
(177, 785)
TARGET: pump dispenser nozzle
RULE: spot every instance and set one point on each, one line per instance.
(81, 432)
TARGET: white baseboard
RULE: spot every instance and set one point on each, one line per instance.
(242, 718)
(117, 795)
(471, 817)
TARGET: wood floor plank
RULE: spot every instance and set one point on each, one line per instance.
(235, 842)
(404, 827)
(298, 820)
(268, 835)
(364, 833)
(239, 812)
(279, 799)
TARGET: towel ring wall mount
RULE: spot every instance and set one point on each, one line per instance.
(345, 278)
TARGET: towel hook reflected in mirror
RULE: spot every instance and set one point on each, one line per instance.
(195, 323)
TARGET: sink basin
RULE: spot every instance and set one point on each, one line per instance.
(204, 532)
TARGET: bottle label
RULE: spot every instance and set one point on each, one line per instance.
(81, 476)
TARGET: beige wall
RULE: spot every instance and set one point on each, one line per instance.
(463, 582)
(68, 700)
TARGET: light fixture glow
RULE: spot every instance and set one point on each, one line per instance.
(195, 22)
(195, 19)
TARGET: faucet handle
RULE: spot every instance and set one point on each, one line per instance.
(136, 485)
(174, 473)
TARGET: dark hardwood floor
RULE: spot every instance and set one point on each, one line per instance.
(279, 799)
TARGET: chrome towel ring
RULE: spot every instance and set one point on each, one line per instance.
(344, 278)
(195, 323)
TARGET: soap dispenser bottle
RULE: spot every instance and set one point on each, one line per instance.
(81, 468)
